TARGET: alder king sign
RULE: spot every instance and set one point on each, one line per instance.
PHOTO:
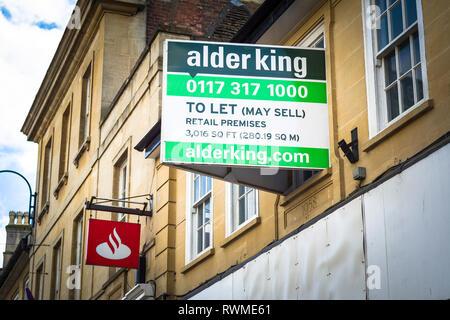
(244, 105)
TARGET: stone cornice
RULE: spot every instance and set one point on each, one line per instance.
(67, 59)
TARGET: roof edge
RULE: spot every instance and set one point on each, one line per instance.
(261, 20)
(63, 58)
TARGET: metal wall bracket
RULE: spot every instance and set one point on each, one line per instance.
(92, 205)
(351, 149)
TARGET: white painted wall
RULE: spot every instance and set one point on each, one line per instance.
(407, 234)
(324, 261)
(407, 221)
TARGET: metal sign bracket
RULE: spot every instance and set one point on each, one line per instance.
(94, 204)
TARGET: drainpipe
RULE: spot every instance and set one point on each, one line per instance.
(275, 216)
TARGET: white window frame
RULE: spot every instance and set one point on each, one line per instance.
(313, 37)
(190, 241)
(232, 210)
(376, 98)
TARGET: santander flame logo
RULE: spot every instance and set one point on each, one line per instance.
(105, 244)
(114, 249)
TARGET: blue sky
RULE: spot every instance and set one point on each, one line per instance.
(30, 31)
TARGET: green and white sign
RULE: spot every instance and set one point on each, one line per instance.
(245, 105)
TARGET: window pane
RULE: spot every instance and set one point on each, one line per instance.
(241, 190)
(320, 44)
(207, 235)
(382, 33)
(209, 184)
(396, 20)
(392, 102)
(86, 127)
(88, 96)
(207, 210)
(79, 226)
(241, 211)
(411, 12)
(416, 48)
(203, 184)
(196, 188)
(404, 57)
(419, 84)
(381, 4)
(123, 185)
(308, 174)
(200, 216)
(390, 68)
(406, 85)
(251, 204)
(87, 107)
(199, 240)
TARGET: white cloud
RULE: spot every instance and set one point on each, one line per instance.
(25, 54)
(30, 11)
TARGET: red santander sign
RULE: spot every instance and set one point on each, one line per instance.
(113, 244)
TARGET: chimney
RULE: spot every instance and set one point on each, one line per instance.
(19, 218)
(26, 219)
(15, 231)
